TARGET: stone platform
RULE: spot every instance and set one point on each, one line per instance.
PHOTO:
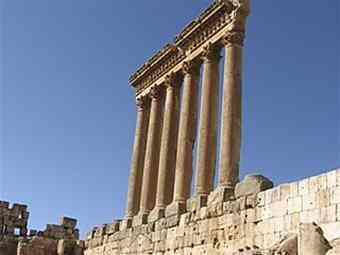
(255, 220)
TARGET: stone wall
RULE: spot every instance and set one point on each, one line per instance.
(56, 239)
(8, 245)
(13, 220)
(254, 219)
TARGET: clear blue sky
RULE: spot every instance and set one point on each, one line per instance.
(68, 113)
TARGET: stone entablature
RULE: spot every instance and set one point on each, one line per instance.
(219, 18)
(256, 222)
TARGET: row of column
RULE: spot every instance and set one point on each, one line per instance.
(162, 161)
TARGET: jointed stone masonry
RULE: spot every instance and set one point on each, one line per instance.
(251, 217)
(300, 218)
(60, 239)
(13, 221)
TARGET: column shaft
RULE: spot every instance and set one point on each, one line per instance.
(207, 142)
(187, 133)
(167, 159)
(137, 162)
(231, 111)
(150, 173)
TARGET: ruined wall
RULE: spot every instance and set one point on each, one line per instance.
(56, 239)
(252, 220)
(13, 220)
(13, 224)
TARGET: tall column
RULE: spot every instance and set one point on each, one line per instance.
(186, 138)
(207, 142)
(150, 174)
(167, 158)
(137, 162)
(232, 110)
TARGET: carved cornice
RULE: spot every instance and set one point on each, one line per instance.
(219, 15)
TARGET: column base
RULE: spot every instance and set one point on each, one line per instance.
(221, 194)
(175, 208)
(156, 214)
(140, 219)
(197, 202)
(126, 223)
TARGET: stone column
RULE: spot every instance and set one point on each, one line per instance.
(207, 141)
(137, 162)
(150, 173)
(168, 149)
(231, 110)
(186, 139)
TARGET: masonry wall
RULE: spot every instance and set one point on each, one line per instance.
(13, 220)
(54, 240)
(251, 221)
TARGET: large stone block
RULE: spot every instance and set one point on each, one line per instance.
(252, 185)
(335, 195)
(68, 222)
(311, 240)
(288, 245)
(295, 205)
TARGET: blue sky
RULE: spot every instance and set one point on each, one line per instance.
(68, 113)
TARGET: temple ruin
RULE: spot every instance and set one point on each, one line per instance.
(16, 239)
(176, 138)
(165, 213)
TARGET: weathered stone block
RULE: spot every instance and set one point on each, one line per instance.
(140, 219)
(156, 214)
(172, 221)
(288, 245)
(175, 208)
(261, 199)
(112, 227)
(68, 222)
(309, 201)
(252, 185)
(331, 179)
(126, 224)
(335, 195)
(311, 240)
(292, 221)
(328, 214)
(310, 216)
(323, 198)
(295, 205)
(303, 187)
(220, 195)
(280, 208)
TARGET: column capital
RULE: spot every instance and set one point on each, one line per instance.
(141, 102)
(155, 93)
(211, 53)
(234, 38)
(171, 81)
(191, 67)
